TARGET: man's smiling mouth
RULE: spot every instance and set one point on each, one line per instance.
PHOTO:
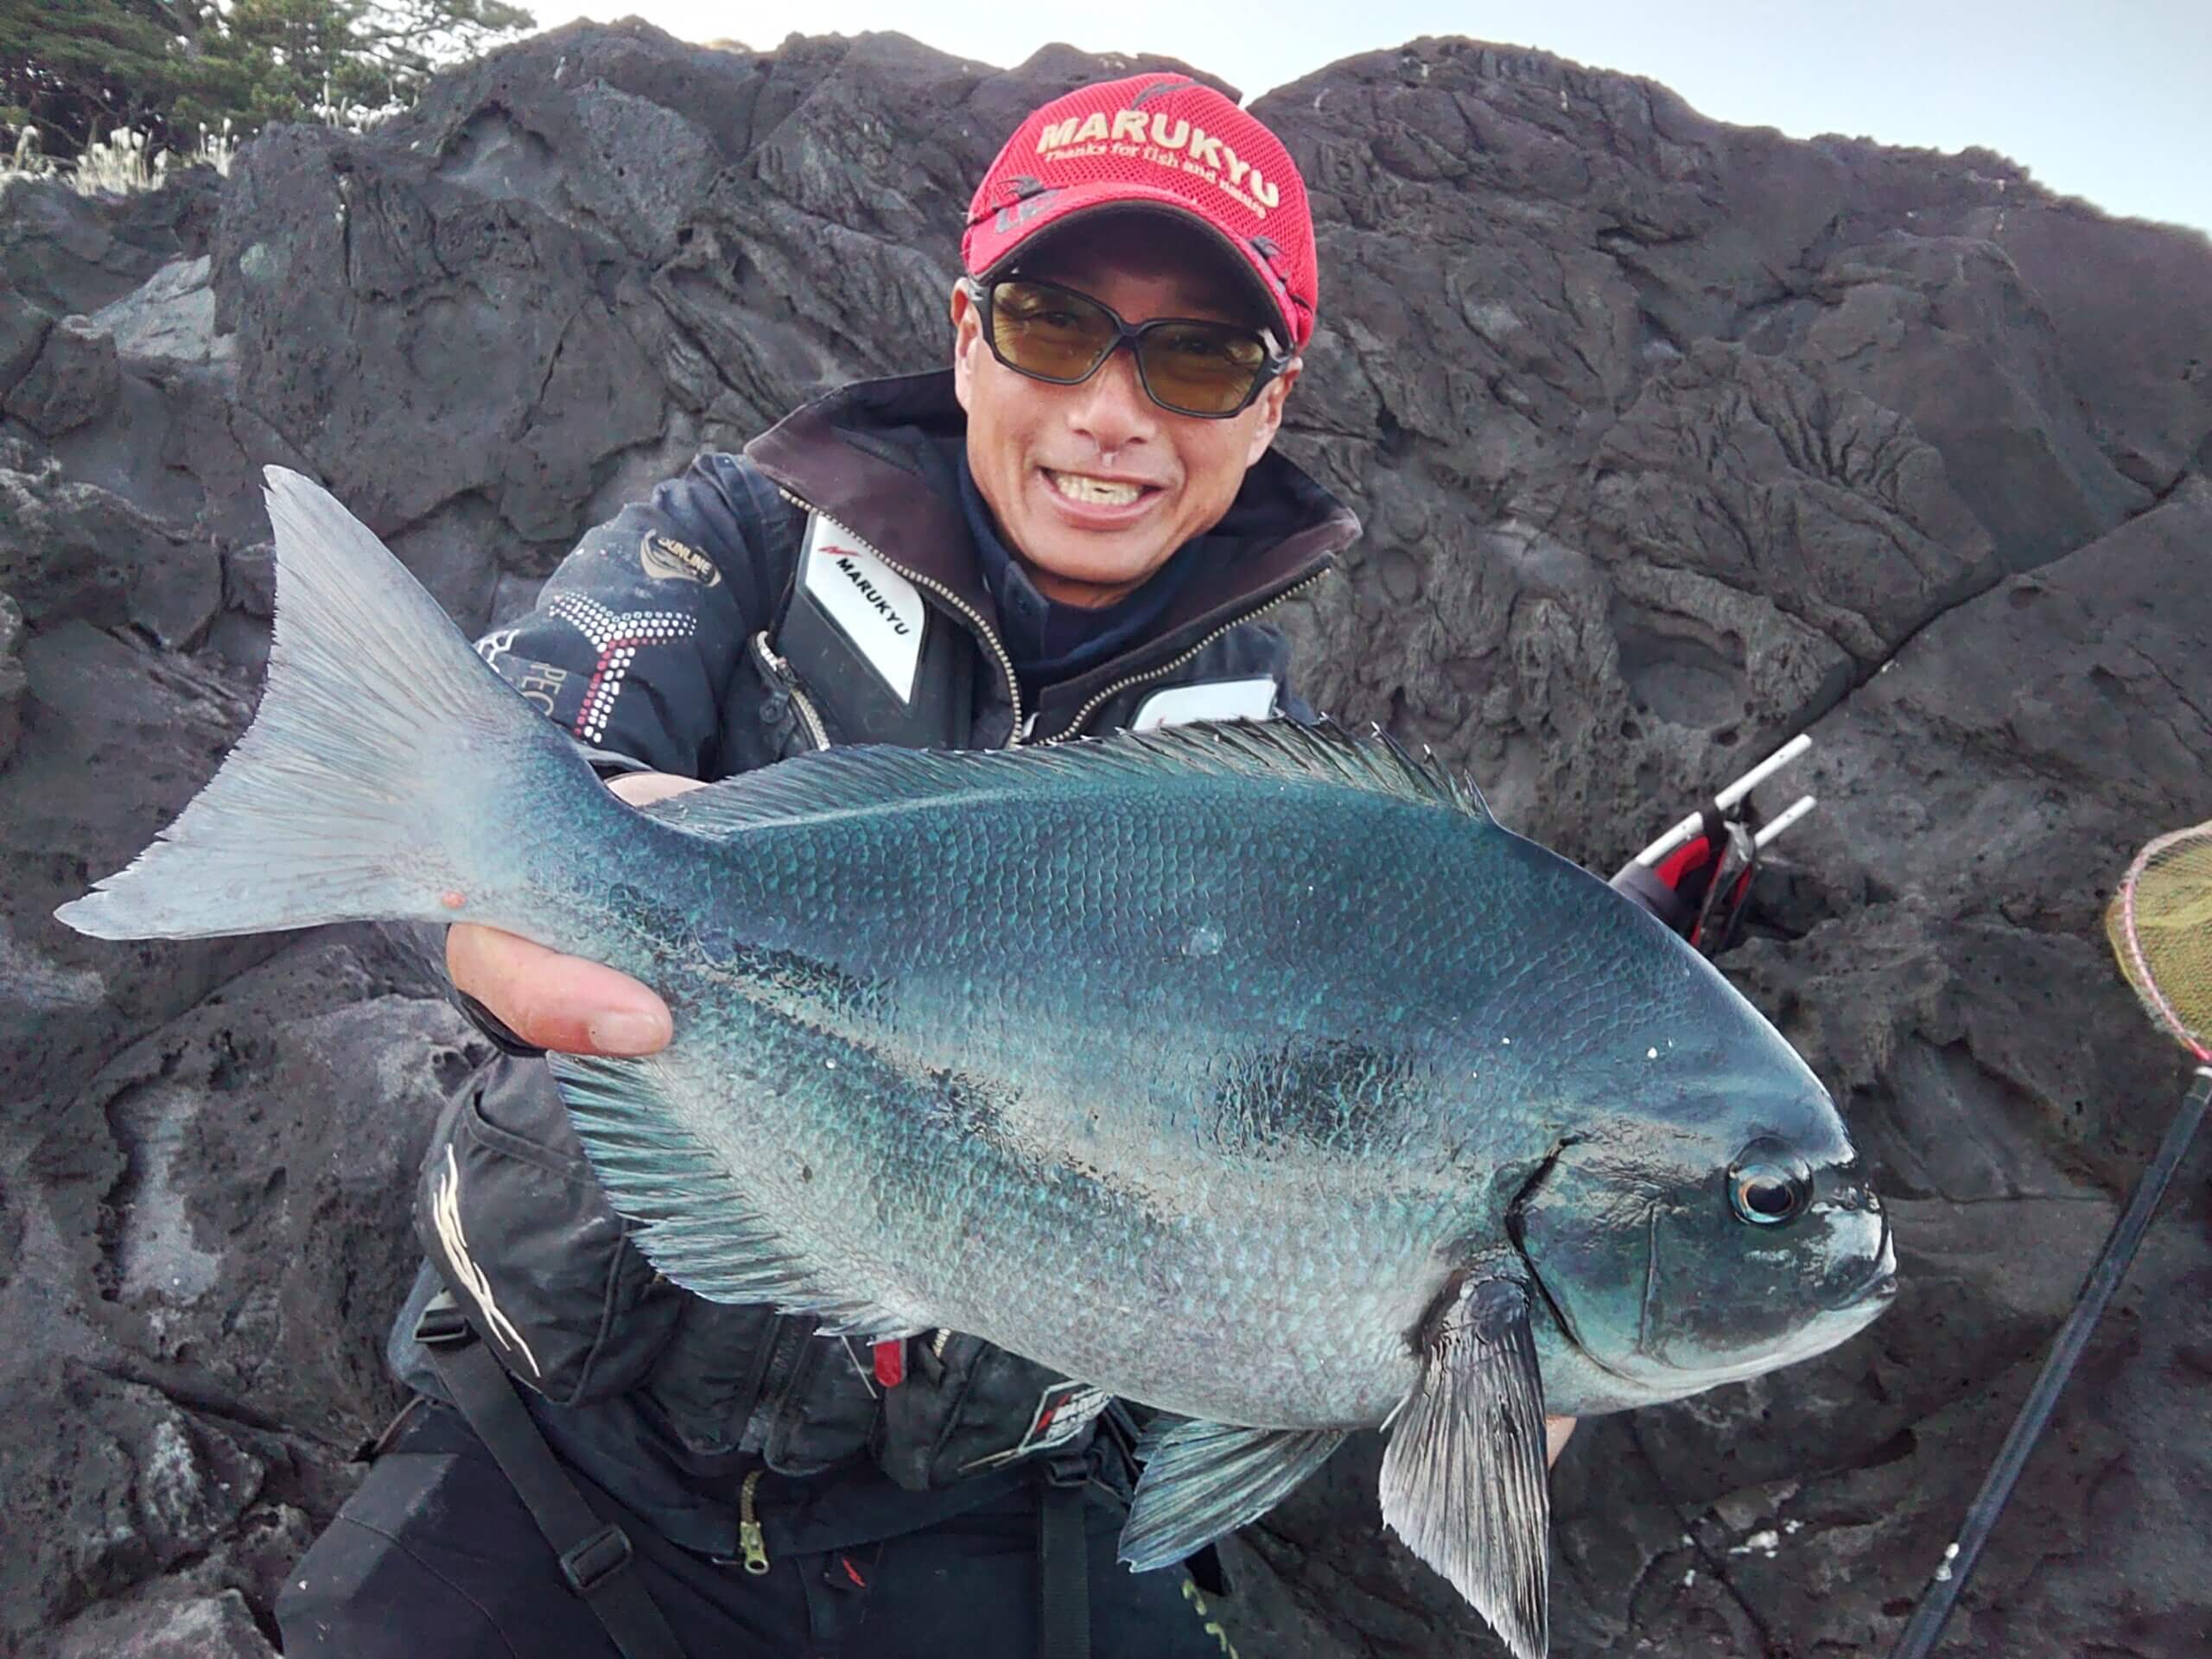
(1094, 491)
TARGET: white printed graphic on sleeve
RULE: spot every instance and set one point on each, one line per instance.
(875, 606)
(1252, 699)
(618, 636)
(445, 1214)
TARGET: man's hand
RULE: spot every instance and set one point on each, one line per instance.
(1556, 1429)
(552, 1001)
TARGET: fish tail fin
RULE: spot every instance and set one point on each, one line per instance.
(380, 736)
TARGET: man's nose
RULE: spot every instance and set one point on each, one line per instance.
(1110, 409)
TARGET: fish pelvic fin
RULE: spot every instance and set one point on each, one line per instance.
(379, 737)
(1203, 1479)
(697, 1225)
(1463, 1480)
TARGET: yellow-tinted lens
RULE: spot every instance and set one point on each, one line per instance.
(1202, 368)
(1049, 331)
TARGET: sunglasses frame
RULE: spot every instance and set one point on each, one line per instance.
(982, 293)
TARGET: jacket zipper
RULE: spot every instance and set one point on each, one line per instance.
(975, 617)
(748, 1527)
(772, 1387)
(1101, 699)
(816, 732)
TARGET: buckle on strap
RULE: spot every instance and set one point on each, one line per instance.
(1064, 1466)
(599, 1558)
(442, 1325)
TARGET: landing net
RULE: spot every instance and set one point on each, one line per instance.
(2160, 921)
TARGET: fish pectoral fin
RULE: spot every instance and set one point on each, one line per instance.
(1464, 1477)
(696, 1225)
(1203, 1479)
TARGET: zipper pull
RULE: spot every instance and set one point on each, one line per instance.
(891, 1362)
(749, 1540)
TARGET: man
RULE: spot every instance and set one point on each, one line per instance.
(1076, 529)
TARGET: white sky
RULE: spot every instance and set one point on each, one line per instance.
(2106, 100)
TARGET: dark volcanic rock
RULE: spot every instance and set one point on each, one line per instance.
(200, 1627)
(135, 1485)
(12, 678)
(75, 551)
(1672, 439)
(170, 320)
(72, 253)
(23, 329)
(73, 380)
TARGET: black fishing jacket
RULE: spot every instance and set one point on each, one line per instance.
(821, 588)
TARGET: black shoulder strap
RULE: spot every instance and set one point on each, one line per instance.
(1063, 1573)
(594, 1555)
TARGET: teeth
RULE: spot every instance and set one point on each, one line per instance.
(1102, 492)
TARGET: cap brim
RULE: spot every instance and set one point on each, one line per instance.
(992, 252)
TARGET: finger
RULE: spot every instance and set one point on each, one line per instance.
(554, 1000)
(641, 788)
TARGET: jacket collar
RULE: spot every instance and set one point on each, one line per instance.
(876, 457)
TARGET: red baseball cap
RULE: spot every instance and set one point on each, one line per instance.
(1162, 142)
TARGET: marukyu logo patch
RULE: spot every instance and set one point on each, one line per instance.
(1063, 1411)
(1167, 141)
(665, 559)
(875, 606)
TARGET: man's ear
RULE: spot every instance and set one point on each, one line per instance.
(967, 340)
(1269, 409)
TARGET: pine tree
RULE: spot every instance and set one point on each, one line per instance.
(80, 70)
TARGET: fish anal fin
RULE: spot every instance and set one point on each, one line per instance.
(697, 1225)
(1464, 1476)
(1203, 1479)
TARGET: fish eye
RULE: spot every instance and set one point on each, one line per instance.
(1769, 1184)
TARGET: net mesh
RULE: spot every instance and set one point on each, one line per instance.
(2160, 923)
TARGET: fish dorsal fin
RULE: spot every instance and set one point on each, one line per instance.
(872, 778)
(697, 1226)
(1203, 1479)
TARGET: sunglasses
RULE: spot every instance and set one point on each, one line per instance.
(1187, 365)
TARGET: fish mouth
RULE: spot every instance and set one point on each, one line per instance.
(1879, 1286)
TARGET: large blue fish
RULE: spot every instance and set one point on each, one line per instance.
(1250, 1072)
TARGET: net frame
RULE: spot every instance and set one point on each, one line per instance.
(2121, 926)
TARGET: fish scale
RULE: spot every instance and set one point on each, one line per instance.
(1342, 1250)
(1252, 1071)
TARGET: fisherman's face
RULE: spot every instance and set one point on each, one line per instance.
(1058, 464)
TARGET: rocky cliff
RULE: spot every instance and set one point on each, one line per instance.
(1673, 439)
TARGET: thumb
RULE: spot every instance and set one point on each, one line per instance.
(553, 1000)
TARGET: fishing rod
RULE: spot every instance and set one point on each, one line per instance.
(1730, 796)
(1697, 876)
